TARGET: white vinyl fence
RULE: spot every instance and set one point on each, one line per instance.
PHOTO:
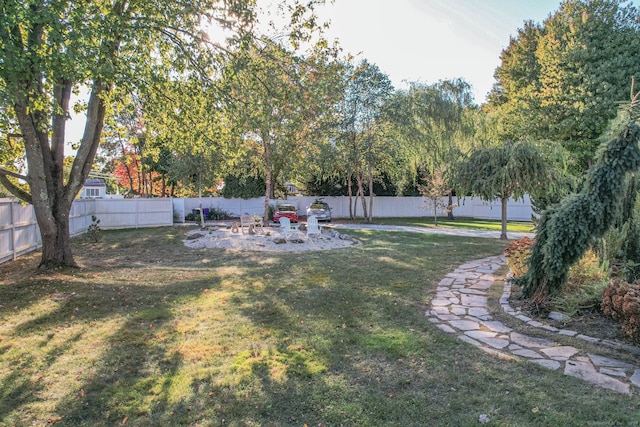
(383, 207)
(19, 232)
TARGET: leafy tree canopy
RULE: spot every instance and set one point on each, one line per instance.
(51, 49)
(508, 170)
(562, 80)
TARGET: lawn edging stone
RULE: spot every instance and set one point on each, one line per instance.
(456, 310)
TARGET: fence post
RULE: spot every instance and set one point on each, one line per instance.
(13, 230)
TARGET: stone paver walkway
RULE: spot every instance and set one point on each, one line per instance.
(460, 308)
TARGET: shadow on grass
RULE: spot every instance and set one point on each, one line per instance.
(153, 333)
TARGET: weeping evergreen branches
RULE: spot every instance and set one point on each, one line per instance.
(566, 230)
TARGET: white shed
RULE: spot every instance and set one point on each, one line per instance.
(94, 188)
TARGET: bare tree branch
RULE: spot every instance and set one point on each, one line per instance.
(14, 189)
(6, 172)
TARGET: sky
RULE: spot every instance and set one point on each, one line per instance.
(424, 40)
(432, 40)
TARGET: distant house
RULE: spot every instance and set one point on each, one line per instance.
(291, 189)
(94, 188)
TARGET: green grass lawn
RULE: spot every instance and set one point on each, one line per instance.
(151, 333)
(460, 222)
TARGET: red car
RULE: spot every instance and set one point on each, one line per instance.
(286, 210)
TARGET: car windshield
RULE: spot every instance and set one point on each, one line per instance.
(286, 208)
(319, 206)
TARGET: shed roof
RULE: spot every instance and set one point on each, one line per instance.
(94, 182)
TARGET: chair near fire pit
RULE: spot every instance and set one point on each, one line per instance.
(287, 230)
(313, 229)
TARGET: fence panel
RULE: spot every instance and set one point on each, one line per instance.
(234, 207)
(80, 216)
(19, 232)
(383, 207)
(134, 213)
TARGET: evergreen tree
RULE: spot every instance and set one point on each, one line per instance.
(567, 230)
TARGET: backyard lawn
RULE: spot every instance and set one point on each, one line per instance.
(458, 222)
(152, 333)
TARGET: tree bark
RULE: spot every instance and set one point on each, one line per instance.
(267, 165)
(504, 200)
(163, 186)
(350, 192)
(370, 217)
(361, 196)
(52, 199)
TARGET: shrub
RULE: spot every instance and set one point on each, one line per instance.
(586, 298)
(517, 254)
(585, 285)
(586, 271)
(94, 230)
(621, 302)
(217, 214)
(622, 244)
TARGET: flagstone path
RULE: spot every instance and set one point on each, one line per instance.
(460, 308)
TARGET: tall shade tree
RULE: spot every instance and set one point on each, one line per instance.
(513, 101)
(433, 123)
(562, 80)
(279, 98)
(508, 170)
(51, 48)
(187, 119)
(360, 139)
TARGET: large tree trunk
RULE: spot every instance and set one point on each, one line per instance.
(56, 241)
(51, 198)
(363, 199)
(504, 200)
(370, 217)
(350, 192)
(450, 207)
(267, 165)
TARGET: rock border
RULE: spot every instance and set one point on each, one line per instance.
(460, 308)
